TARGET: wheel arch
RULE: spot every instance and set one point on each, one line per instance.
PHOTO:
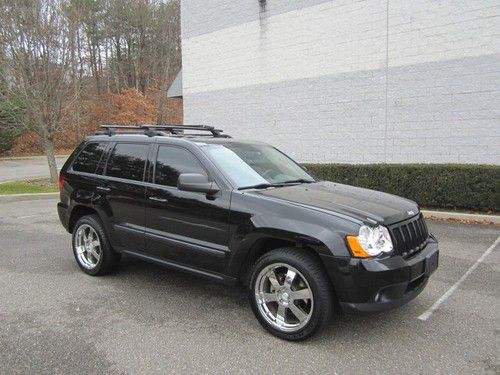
(77, 212)
(256, 245)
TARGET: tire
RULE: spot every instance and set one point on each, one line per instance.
(301, 307)
(103, 259)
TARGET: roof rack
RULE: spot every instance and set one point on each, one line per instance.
(153, 130)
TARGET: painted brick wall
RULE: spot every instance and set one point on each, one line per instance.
(348, 81)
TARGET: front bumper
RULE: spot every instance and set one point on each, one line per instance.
(369, 285)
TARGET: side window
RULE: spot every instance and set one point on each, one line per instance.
(171, 162)
(127, 160)
(89, 157)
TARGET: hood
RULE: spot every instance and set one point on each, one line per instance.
(359, 203)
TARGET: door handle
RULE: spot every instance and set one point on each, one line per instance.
(103, 188)
(156, 199)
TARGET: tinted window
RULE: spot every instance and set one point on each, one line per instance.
(171, 162)
(127, 161)
(88, 159)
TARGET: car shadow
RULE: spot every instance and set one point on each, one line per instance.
(151, 294)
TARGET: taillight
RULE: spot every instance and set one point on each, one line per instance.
(61, 182)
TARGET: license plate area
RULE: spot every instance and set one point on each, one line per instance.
(431, 263)
(417, 270)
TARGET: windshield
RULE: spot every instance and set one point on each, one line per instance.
(249, 165)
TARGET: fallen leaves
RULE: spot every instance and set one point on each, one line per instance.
(462, 221)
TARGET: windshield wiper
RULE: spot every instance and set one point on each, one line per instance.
(280, 184)
(259, 186)
(298, 181)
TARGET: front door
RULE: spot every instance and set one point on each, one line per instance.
(185, 227)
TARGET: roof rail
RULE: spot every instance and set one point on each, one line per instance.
(153, 130)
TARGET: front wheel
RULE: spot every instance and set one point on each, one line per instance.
(290, 294)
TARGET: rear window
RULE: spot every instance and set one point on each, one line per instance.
(128, 161)
(88, 159)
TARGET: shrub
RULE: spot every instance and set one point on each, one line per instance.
(447, 186)
(7, 138)
(11, 113)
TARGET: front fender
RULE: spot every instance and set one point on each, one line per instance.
(328, 241)
(250, 236)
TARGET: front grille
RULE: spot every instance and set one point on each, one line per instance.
(409, 236)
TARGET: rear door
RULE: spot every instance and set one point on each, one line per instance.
(186, 227)
(123, 194)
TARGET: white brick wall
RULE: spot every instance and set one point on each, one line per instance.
(348, 81)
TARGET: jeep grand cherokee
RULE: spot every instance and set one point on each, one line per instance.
(240, 211)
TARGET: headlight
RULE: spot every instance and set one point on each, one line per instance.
(371, 241)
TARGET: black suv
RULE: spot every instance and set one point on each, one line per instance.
(238, 211)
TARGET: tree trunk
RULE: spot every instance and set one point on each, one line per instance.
(48, 146)
(119, 68)
(163, 93)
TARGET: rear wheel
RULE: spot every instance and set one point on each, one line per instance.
(290, 294)
(91, 247)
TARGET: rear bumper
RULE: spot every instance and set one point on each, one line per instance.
(62, 211)
(370, 285)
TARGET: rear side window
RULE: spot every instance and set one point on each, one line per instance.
(127, 161)
(171, 162)
(89, 157)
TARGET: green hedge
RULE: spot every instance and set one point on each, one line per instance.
(447, 186)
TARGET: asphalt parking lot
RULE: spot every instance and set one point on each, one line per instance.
(19, 169)
(146, 319)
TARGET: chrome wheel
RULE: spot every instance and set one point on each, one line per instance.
(87, 246)
(284, 297)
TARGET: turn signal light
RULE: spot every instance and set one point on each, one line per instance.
(356, 248)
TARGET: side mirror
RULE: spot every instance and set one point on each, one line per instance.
(196, 182)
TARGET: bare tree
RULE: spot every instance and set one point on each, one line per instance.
(168, 29)
(61, 59)
(36, 61)
(144, 42)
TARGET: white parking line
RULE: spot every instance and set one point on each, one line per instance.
(427, 314)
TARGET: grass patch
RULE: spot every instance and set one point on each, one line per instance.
(28, 187)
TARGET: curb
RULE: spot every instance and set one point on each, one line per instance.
(7, 198)
(461, 216)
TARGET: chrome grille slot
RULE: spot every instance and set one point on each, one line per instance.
(409, 236)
